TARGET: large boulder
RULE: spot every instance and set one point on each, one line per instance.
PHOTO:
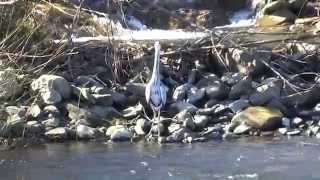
(16, 119)
(142, 126)
(180, 106)
(268, 90)
(180, 92)
(195, 95)
(60, 133)
(52, 88)
(86, 132)
(243, 87)
(258, 117)
(133, 111)
(119, 133)
(92, 116)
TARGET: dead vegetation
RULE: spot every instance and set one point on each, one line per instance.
(60, 38)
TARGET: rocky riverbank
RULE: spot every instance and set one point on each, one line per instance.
(215, 92)
(204, 107)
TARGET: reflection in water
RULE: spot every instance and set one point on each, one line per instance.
(250, 158)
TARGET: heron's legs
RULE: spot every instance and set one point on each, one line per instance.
(158, 114)
(155, 120)
(149, 135)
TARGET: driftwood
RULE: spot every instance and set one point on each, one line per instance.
(144, 37)
(8, 2)
(227, 37)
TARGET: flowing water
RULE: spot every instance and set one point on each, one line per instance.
(252, 158)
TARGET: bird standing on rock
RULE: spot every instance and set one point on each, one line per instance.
(155, 92)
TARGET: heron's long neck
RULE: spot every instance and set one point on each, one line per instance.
(156, 64)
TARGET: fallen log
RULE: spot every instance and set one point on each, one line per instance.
(8, 2)
(145, 37)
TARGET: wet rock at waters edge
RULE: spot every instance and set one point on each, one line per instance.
(60, 133)
(34, 111)
(231, 78)
(51, 123)
(293, 132)
(83, 93)
(93, 115)
(314, 129)
(119, 133)
(137, 89)
(243, 128)
(179, 106)
(16, 119)
(243, 87)
(297, 121)
(211, 103)
(217, 90)
(119, 99)
(180, 93)
(104, 112)
(34, 127)
(51, 111)
(195, 95)
(142, 126)
(277, 104)
(268, 90)
(176, 136)
(189, 123)
(238, 105)
(86, 132)
(133, 111)
(50, 97)
(217, 110)
(262, 118)
(52, 88)
(200, 122)
(207, 79)
(163, 126)
(174, 127)
(283, 130)
(16, 110)
(183, 115)
(103, 99)
(10, 84)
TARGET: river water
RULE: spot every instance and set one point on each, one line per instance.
(248, 158)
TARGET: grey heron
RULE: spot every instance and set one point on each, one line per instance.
(155, 91)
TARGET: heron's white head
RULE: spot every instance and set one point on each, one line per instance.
(157, 46)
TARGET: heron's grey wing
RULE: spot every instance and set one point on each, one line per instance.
(163, 92)
(148, 93)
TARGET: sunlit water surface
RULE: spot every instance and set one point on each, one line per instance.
(240, 159)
